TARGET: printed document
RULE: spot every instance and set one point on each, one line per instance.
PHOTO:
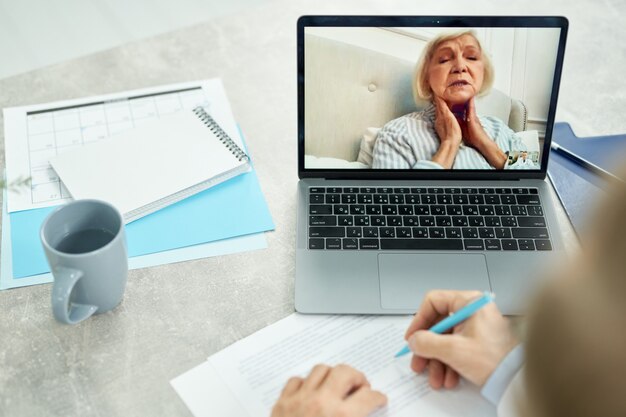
(247, 377)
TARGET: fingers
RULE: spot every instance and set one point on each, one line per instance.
(316, 377)
(447, 127)
(471, 110)
(451, 379)
(437, 305)
(292, 386)
(439, 103)
(442, 107)
(364, 401)
(438, 108)
(339, 390)
(439, 374)
(418, 364)
(344, 379)
(436, 374)
(444, 347)
(443, 111)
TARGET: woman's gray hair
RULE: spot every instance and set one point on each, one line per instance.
(421, 86)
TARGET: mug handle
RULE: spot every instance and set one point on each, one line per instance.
(64, 281)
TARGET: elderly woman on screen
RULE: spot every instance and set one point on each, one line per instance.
(451, 72)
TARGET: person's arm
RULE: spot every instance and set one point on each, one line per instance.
(446, 154)
(500, 379)
(513, 396)
(394, 144)
(492, 153)
(393, 151)
(449, 132)
(476, 137)
(474, 348)
(327, 392)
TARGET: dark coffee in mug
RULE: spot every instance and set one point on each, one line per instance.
(84, 241)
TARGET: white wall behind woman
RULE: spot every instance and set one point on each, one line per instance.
(524, 59)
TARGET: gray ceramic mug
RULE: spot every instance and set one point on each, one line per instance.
(85, 245)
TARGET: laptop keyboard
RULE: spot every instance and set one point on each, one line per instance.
(442, 218)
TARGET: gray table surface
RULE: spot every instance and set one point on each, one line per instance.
(174, 316)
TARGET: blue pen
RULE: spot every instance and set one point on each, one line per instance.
(456, 318)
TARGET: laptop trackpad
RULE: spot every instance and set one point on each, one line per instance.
(406, 278)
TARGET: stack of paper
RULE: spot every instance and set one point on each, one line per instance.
(36, 134)
(246, 378)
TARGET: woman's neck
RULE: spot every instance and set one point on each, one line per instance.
(458, 109)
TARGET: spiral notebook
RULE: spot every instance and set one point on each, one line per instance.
(152, 166)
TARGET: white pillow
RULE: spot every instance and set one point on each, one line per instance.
(367, 146)
(530, 138)
(311, 161)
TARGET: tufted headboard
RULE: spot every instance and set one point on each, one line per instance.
(349, 88)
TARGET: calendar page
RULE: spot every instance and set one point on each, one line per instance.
(34, 134)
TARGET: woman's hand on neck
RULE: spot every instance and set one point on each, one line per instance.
(475, 136)
(449, 131)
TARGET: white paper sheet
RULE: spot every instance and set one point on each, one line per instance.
(247, 377)
(149, 167)
(34, 134)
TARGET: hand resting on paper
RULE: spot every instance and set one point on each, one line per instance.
(472, 350)
(328, 392)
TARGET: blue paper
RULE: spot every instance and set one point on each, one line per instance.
(605, 152)
(233, 208)
(221, 247)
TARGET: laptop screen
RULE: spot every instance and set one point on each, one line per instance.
(428, 94)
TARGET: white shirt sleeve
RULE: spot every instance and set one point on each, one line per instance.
(513, 396)
(426, 164)
(502, 376)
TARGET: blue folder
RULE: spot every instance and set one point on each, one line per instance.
(233, 208)
(607, 152)
(579, 188)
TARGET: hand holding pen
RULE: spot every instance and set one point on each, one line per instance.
(472, 350)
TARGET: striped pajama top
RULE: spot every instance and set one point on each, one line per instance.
(411, 141)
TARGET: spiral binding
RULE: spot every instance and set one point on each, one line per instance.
(221, 135)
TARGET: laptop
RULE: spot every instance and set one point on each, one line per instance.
(423, 145)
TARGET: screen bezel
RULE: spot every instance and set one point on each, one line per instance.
(558, 22)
